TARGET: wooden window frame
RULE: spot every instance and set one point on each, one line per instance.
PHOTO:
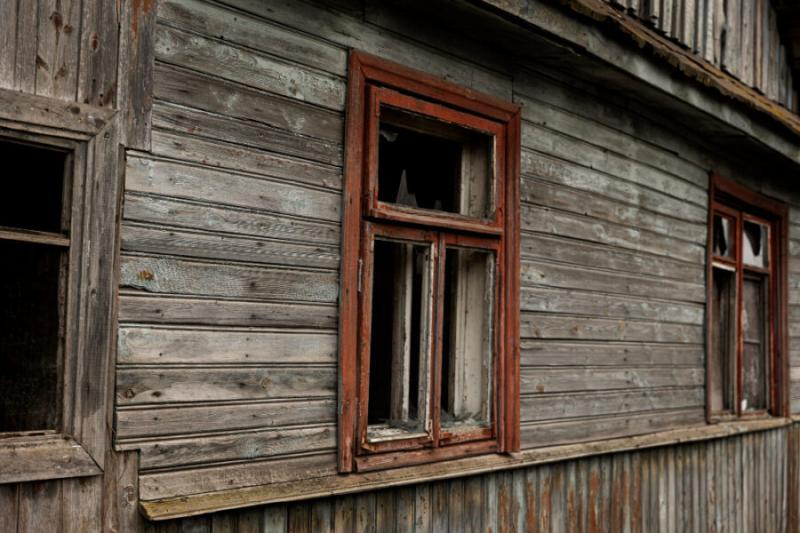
(372, 83)
(89, 136)
(739, 203)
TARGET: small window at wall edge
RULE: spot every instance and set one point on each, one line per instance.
(425, 239)
(52, 158)
(747, 363)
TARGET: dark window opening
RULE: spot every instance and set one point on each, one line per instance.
(33, 272)
(723, 309)
(399, 345)
(33, 187)
(29, 336)
(428, 164)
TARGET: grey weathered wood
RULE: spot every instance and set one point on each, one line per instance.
(149, 239)
(191, 278)
(539, 407)
(206, 450)
(83, 120)
(580, 328)
(235, 27)
(226, 219)
(192, 89)
(172, 346)
(44, 458)
(189, 122)
(577, 302)
(576, 379)
(559, 275)
(136, 77)
(57, 39)
(248, 67)
(97, 78)
(207, 184)
(540, 352)
(213, 312)
(154, 421)
(143, 386)
(198, 481)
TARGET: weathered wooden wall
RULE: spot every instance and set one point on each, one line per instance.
(740, 36)
(733, 484)
(227, 345)
(69, 50)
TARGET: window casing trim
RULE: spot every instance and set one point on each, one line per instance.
(372, 78)
(742, 204)
(79, 445)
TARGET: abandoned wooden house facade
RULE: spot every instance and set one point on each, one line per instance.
(377, 265)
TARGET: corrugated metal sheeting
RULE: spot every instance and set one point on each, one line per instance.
(740, 36)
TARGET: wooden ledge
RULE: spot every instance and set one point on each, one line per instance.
(235, 498)
(44, 457)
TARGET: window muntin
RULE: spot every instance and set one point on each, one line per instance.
(745, 310)
(34, 247)
(431, 165)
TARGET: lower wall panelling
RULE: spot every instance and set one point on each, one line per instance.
(741, 483)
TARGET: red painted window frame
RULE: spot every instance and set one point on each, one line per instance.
(374, 81)
(736, 201)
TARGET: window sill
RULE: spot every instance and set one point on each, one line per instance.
(234, 498)
(43, 457)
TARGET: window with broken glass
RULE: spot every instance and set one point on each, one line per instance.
(745, 317)
(433, 360)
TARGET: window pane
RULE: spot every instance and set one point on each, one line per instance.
(400, 340)
(33, 182)
(756, 343)
(467, 338)
(724, 243)
(29, 336)
(723, 340)
(429, 164)
(755, 244)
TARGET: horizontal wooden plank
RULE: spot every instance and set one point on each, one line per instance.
(141, 345)
(578, 226)
(542, 326)
(253, 473)
(188, 214)
(44, 457)
(542, 273)
(554, 433)
(615, 110)
(577, 379)
(157, 421)
(149, 385)
(208, 153)
(351, 32)
(194, 89)
(157, 240)
(169, 178)
(188, 121)
(580, 302)
(147, 309)
(212, 56)
(546, 166)
(631, 146)
(239, 28)
(578, 151)
(601, 256)
(539, 352)
(82, 119)
(555, 196)
(543, 407)
(167, 453)
(191, 278)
